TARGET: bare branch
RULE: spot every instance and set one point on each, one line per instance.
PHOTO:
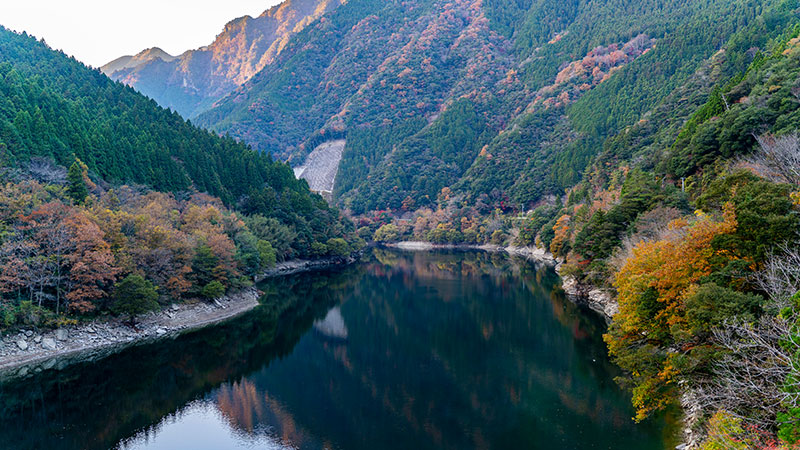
(756, 376)
(778, 158)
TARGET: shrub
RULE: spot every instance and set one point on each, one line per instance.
(386, 233)
(213, 290)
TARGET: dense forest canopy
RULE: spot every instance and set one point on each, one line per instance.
(54, 107)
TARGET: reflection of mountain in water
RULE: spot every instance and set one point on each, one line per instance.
(424, 351)
(333, 325)
(148, 388)
(174, 431)
(449, 351)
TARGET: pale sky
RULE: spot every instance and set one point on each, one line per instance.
(98, 31)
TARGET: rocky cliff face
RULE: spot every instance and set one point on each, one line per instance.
(193, 81)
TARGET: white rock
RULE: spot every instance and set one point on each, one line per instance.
(22, 344)
(28, 333)
(161, 331)
(37, 339)
(49, 343)
(175, 307)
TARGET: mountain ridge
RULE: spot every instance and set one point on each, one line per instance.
(194, 80)
(133, 61)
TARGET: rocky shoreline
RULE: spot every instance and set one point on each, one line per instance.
(597, 299)
(298, 265)
(30, 351)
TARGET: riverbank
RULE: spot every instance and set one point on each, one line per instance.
(29, 351)
(532, 253)
(298, 266)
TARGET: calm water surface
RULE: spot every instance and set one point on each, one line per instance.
(451, 350)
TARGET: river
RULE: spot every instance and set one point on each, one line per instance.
(432, 350)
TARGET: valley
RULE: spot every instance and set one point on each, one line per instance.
(650, 149)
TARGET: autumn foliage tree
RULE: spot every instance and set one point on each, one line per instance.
(62, 255)
(651, 335)
(91, 263)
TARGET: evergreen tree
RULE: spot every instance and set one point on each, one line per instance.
(76, 186)
(134, 296)
(203, 266)
(213, 290)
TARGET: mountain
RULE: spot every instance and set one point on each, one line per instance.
(131, 62)
(54, 108)
(193, 81)
(511, 97)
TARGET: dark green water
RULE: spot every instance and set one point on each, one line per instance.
(460, 350)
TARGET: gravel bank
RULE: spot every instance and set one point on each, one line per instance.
(532, 253)
(29, 351)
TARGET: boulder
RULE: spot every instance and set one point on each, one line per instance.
(49, 343)
(161, 331)
(22, 344)
(37, 339)
(62, 334)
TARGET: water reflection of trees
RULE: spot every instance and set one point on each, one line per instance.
(92, 406)
(444, 350)
(454, 350)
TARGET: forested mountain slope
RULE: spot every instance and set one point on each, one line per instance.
(191, 82)
(507, 96)
(110, 203)
(53, 107)
(651, 146)
(686, 228)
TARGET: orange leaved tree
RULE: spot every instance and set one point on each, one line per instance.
(651, 336)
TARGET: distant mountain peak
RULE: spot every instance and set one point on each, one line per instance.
(132, 61)
(191, 82)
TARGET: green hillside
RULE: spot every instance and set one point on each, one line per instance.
(111, 204)
(52, 106)
(651, 146)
